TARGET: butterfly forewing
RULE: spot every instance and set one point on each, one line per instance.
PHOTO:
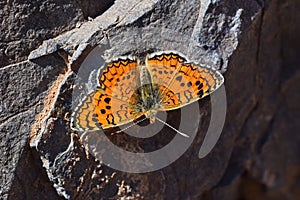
(187, 82)
(163, 67)
(120, 78)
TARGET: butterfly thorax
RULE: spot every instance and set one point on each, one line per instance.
(146, 97)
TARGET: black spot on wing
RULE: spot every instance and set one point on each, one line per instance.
(200, 93)
(107, 100)
(179, 78)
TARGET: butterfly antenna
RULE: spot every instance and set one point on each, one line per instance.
(165, 123)
(131, 125)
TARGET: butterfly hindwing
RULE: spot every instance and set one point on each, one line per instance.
(100, 110)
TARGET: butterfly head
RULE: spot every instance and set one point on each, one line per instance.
(151, 115)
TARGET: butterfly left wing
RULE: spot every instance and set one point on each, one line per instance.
(111, 104)
(188, 83)
(120, 77)
(100, 110)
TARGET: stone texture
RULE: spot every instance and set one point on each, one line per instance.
(253, 43)
(25, 24)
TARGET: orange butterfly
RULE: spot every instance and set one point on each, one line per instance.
(128, 90)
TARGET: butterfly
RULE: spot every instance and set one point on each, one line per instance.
(129, 88)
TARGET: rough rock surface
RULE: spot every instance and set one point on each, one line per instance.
(253, 43)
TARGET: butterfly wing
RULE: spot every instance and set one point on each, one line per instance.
(163, 66)
(113, 102)
(100, 110)
(120, 78)
(187, 82)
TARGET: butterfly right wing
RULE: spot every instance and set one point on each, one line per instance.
(191, 83)
(181, 83)
(100, 110)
